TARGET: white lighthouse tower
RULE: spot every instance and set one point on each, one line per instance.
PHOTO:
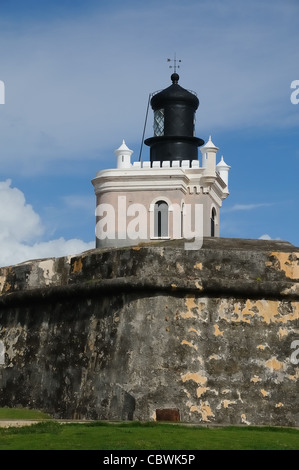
(171, 196)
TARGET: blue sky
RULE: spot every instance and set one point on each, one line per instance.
(77, 77)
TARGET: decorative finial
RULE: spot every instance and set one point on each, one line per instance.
(175, 60)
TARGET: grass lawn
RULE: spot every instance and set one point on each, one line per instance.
(22, 413)
(52, 435)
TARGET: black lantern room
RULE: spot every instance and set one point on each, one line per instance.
(174, 124)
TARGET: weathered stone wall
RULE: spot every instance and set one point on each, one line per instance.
(119, 334)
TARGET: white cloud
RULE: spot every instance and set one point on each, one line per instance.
(21, 229)
(267, 237)
(19, 222)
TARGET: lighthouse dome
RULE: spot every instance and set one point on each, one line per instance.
(174, 94)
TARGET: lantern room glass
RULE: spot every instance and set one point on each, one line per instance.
(159, 122)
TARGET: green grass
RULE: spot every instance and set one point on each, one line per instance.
(51, 435)
(22, 413)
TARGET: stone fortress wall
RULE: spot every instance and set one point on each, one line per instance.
(208, 336)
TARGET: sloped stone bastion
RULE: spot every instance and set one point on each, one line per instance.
(208, 336)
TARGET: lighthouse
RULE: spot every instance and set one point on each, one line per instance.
(174, 124)
(173, 195)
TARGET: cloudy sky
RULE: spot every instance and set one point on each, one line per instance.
(77, 76)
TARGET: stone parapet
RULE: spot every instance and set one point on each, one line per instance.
(132, 333)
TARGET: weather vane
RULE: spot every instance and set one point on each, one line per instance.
(175, 60)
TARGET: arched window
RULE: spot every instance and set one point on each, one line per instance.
(213, 222)
(161, 219)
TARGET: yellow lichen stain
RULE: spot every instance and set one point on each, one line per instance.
(77, 267)
(295, 315)
(201, 390)
(282, 332)
(180, 268)
(226, 403)
(274, 364)
(190, 304)
(136, 248)
(195, 331)
(255, 379)
(195, 377)
(187, 315)
(272, 314)
(217, 331)
(204, 409)
(261, 346)
(225, 391)
(194, 408)
(189, 344)
(198, 286)
(288, 263)
(214, 356)
(268, 310)
(264, 393)
(174, 286)
(247, 311)
(279, 405)
(237, 311)
(244, 419)
(243, 313)
(294, 289)
(198, 266)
